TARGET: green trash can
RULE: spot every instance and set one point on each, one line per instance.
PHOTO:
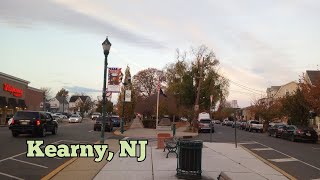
(189, 159)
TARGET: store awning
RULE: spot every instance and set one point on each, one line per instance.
(12, 103)
(3, 102)
(21, 103)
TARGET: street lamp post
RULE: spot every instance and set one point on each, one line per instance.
(123, 103)
(106, 45)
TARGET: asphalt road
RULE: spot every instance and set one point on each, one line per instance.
(15, 165)
(300, 160)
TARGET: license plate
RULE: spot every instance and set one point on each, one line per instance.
(308, 134)
(24, 123)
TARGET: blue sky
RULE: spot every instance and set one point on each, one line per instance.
(57, 43)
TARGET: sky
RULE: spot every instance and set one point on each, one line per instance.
(57, 43)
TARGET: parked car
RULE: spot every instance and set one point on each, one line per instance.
(229, 123)
(254, 125)
(183, 119)
(61, 115)
(67, 115)
(216, 121)
(116, 121)
(243, 125)
(98, 123)
(294, 133)
(276, 130)
(33, 122)
(224, 122)
(57, 118)
(95, 115)
(204, 125)
(237, 124)
(75, 118)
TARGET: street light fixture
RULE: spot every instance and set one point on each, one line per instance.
(123, 103)
(106, 45)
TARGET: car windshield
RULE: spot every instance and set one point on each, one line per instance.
(26, 115)
(205, 121)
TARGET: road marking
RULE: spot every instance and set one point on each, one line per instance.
(90, 131)
(8, 175)
(21, 153)
(283, 160)
(29, 163)
(262, 149)
(57, 158)
(290, 157)
(316, 149)
(269, 163)
(244, 143)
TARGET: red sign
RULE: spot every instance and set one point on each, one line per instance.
(14, 91)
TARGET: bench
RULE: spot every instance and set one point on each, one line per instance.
(171, 145)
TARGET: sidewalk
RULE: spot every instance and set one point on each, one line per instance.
(235, 163)
(217, 159)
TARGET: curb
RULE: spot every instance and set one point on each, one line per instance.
(269, 164)
(61, 167)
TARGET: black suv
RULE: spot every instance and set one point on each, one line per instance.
(98, 123)
(33, 122)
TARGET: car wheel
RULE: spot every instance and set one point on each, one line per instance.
(43, 132)
(55, 130)
(15, 134)
(292, 138)
(275, 135)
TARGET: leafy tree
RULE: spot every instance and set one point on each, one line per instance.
(311, 94)
(145, 82)
(129, 106)
(47, 92)
(296, 108)
(62, 93)
(267, 110)
(109, 106)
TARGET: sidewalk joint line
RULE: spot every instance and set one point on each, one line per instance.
(152, 164)
(8, 175)
(29, 163)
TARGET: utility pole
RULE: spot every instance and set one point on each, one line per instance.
(196, 112)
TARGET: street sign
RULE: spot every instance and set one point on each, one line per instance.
(127, 96)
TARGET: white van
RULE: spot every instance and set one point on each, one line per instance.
(203, 115)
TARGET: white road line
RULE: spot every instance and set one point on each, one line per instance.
(21, 153)
(29, 163)
(57, 158)
(262, 149)
(316, 148)
(291, 157)
(244, 143)
(283, 160)
(8, 175)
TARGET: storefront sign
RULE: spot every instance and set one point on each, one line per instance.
(14, 91)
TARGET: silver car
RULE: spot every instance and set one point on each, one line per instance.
(75, 118)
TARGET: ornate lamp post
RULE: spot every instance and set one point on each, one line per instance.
(106, 45)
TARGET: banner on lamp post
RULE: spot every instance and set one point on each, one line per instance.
(114, 79)
(127, 96)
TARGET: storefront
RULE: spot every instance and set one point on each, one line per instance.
(13, 92)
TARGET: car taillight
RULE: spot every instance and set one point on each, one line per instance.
(298, 131)
(38, 122)
(12, 122)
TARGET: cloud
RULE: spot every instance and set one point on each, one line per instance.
(29, 13)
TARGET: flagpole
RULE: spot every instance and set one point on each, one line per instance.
(158, 97)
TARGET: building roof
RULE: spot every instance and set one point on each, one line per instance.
(314, 76)
(75, 98)
(7, 76)
(62, 99)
